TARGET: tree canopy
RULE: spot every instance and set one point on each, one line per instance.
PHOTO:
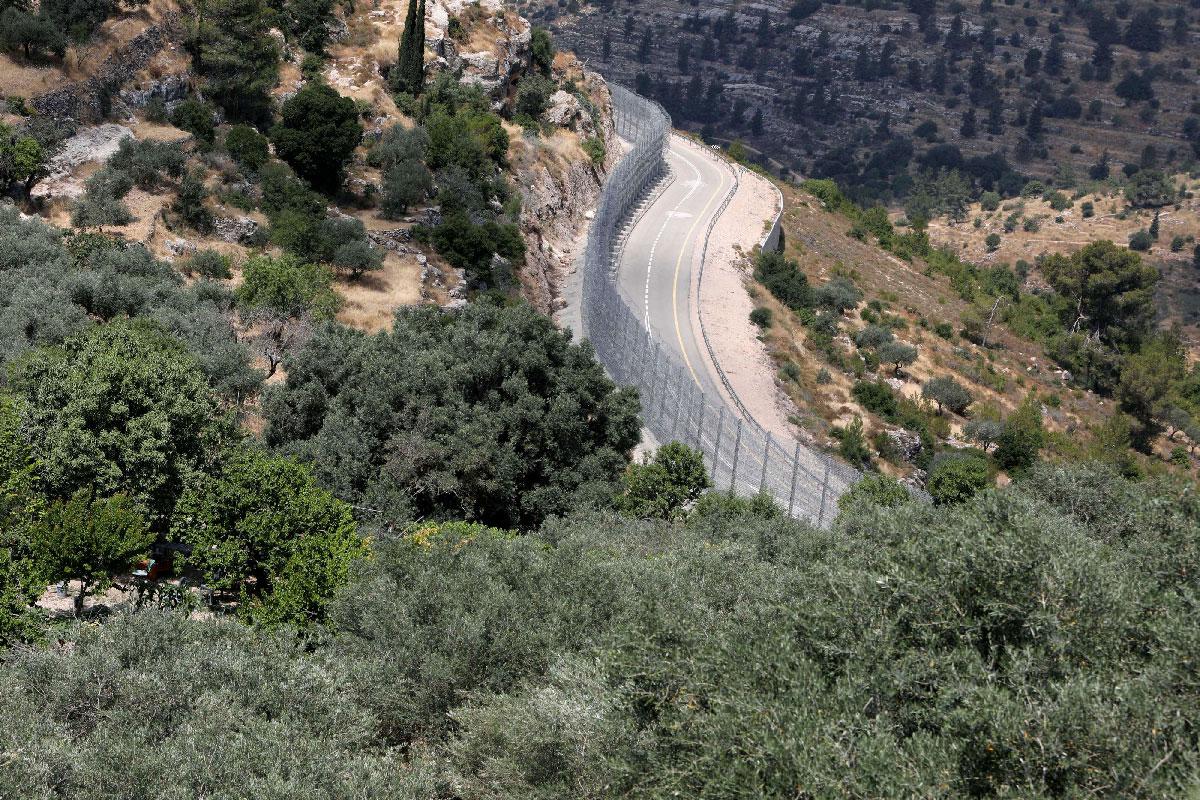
(486, 414)
(264, 518)
(317, 131)
(120, 409)
(1110, 289)
(975, 647)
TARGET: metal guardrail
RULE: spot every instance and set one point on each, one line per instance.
(739, 454)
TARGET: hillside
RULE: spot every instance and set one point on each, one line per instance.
(130, 77)
(865, 92)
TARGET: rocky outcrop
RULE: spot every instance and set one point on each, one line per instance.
(91, 100)
(494, 69)
(89, 144)
(238, 230)
(170, 89)
(906, 443)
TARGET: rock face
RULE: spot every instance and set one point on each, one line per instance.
(906, 443)
(565, 110)
(494, 69)
(170, 89)
(556, 206)
(89, 144)
(238, 230)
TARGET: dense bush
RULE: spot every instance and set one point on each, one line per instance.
(957, 478)
(247, 146)
(875, 397)
(52, 287)
(487, 414)
(609, 658)
(317, 131)
(783, 278)
(122, 408)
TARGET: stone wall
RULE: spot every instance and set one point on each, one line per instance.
(89, 100)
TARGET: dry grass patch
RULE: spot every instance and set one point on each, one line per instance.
(371, 301)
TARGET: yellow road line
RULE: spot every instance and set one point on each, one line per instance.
(675, 282)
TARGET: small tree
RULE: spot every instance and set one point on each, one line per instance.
(853, 443)
(283, 297)
(22, 159)
(406, 184)
(992, 242)
(873, 336)
(985, 432)
(898, 354)
(839, 295)
(1022, 438)
(264, 517)
(409, 73)
(948, 394)
(90, 541)
(541, 49)
(247, 146)
(32, 34)
(357, 257)
(663, 487)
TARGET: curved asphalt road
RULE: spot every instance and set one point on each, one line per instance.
(658, 270)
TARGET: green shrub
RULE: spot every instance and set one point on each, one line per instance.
(208, 264)
(594, 147)
(247, 146)
(1141, 241)
(957, 478)
(852, 444)
(878, 491)
(761, 317)
(875, 397)
(196, 118)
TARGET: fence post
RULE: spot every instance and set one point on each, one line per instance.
(795, 469)
(737, 444)
(762, 483)
(663, 389)
(824, 492)
(687, 423)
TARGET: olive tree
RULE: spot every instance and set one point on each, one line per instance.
(948, 393)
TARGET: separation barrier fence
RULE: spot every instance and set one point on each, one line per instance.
(741, 456)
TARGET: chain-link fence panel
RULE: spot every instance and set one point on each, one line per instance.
(741, 456)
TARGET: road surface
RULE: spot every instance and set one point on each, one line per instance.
(659, 267)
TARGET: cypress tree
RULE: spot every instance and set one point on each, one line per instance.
(418, 56)
(409, 73)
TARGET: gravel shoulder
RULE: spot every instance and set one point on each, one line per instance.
(723, 311)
